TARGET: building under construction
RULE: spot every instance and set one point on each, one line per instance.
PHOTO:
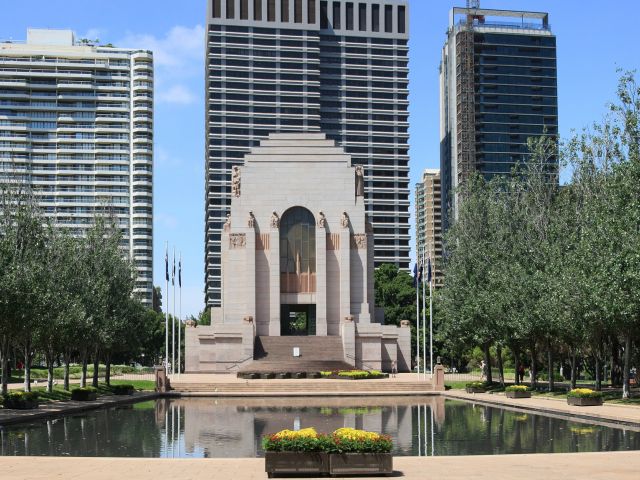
(498, 87)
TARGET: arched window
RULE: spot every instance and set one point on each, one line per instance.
(297, 251)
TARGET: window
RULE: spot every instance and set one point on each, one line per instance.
(362, 17)
(401, 20)
(244, 9)
(298, 243)
(216, 8)
(284, 11)
(257, 9)
(324, 20)
(349, 20)
(388, 18)
(375, 18)
(271, 10)
(336, 16)
(297, 11)
(311, 11)
(231, 9)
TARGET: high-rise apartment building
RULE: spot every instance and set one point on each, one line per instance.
(76, 124)
(429, 221)
(338, 67)
(498, 87)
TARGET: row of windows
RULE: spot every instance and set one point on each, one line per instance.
(282, 13)
(346, 18)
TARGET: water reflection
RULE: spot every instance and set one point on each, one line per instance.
(208, 427)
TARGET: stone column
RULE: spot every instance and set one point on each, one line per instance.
(250, 272)
(321, 281)
(274, 281)
(345, 272)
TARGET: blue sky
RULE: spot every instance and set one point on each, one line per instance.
(593, 40)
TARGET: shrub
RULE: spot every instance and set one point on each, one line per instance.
(21, 400)
(343, 440)
(517, 388)
(84, 394)
(350, 440)
(305, 440)
(125, 389)
(584, 393)
(556, 377)
(475, 385)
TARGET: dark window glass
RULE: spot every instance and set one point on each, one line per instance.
(311, 11)
(216, 8)
(297, 11)
(324, 20)
(349, 20)
(284, 11)
(336, 16)
(375, 18)
(271, 10)
(402, 28)
(257, 9)
(362, 17)
(231, 9)
(244, 9)
(298, 242)
(388, 18)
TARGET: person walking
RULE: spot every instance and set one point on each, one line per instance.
(483, 370)
(394, 369)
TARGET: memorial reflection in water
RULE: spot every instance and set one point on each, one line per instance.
(210, 427)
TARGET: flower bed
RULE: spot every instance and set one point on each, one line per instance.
(125, 389)
(517, 391)
(354, 374)
(584, 397)
(84, 394)
(21, 400)
(475, 387)
(345, 451)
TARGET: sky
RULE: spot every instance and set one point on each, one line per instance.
(594, 38)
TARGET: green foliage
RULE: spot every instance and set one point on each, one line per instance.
(394, 292)
(343, 440)
(517, 388)
(20, 400)
(481, 385)
(84, 393)
(122, 389)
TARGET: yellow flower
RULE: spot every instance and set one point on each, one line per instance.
(293, 434)
(582, 391)
(358, 435)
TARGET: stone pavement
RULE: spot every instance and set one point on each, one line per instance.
(232, 378)
(545, 405)
(556, 466)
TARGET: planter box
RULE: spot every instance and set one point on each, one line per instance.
(475, 390)
(584, 402)
(517, 394)
(20, 404)
(287, 463)
(83, 396)
(360, 464)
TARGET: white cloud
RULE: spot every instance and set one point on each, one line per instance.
(176, 94)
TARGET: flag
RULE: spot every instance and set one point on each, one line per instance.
(166, 265)
(417, 274)
(173, 271)
(180, 272)
(429, 270)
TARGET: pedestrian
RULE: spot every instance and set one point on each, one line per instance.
(521, 373)
(483, 368)
(394, 369)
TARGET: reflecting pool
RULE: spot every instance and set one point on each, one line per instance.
(210, 427)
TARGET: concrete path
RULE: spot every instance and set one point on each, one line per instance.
(557, 466)
(546, 405)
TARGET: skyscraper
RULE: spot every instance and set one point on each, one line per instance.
(498, 87)
(429, 221)
(339, 67)
(76, 124)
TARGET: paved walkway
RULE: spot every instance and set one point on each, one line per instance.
(546, 405)
(557, 466)
(232, 378)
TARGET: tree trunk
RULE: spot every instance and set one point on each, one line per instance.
(4, 353)
(500, 364)
(27, 366)
(50, 360)
(516, 364)
(574, 373)
(107, 371)
(534, 369)
(67, 361)
(550, 373)
(96, 365)
(83, 377)
(626, 385)
(598, 376)
(487, 360)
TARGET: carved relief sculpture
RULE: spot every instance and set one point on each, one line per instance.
(275, 220)
(359, 181)
(360, 241)
(251, 223)
(235, 181)
(322, 219)
(227, 224)
(237, 240)
(344, 220)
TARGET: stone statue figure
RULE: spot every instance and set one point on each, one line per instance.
(322, 219)
(235, 181)
(227, 224)
(359, 181)
(275, 220)
(252, 220)
(344, 221)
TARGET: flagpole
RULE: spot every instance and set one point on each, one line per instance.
(166, 318)
(173, 328)
(424, 322)
(180, 322)
(417, 280)
(431, 315)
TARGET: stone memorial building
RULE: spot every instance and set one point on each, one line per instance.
(297, 268)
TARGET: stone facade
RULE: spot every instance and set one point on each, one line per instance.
(267, 273)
